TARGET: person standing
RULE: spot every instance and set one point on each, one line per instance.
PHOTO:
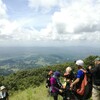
(49, 75)
(3, 93)
(78, 82)
(96, 80)
(55, 85)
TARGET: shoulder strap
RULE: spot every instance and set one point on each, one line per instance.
(83, 70)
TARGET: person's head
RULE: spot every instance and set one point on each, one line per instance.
(57, 74)
(50, 73)
(97, 61)
(80, 63)
(68, 70)
(90, 67)
(2, 88)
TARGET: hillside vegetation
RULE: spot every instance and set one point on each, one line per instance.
(38, 93)
(29, 84)
(29, 78)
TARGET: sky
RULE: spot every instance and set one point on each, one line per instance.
(49, 22)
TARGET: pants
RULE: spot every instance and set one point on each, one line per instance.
(95, 94)
(55, 95)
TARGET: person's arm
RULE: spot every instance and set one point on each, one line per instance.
(79, 75)
(74, 83)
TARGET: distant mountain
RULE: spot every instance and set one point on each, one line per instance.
(17, 58)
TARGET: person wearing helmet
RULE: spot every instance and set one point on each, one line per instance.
(3, 93)
(55, 85)
(79, 76)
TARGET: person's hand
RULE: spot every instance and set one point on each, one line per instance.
(60, 91)
(71, 86)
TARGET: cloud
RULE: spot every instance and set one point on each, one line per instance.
(2, 9)
(78, 17)
(42, 5)
(76, 20)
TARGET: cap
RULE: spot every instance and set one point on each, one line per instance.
(2, 87)
(57, 73)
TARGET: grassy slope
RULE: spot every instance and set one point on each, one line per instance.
(39, 93)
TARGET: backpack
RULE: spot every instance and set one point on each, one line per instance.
(85, 89)
(48, 82)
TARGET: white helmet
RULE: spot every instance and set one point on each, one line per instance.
(79, 62)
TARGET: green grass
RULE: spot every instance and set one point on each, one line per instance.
(38, 93)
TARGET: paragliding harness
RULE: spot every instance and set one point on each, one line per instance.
(84, 90)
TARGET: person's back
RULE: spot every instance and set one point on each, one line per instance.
(55, 85)
(80, 75)
(80, 81)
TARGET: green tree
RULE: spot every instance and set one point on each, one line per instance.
(90, 60)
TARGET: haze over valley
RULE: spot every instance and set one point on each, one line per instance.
(13, 59)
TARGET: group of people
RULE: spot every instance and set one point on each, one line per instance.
(3, 93)
(80, 86)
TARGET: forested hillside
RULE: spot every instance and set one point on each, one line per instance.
(27, 78)
(33, 78)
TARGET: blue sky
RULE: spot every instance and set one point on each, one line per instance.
(49, 22)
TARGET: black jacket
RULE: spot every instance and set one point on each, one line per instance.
(96, 75)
